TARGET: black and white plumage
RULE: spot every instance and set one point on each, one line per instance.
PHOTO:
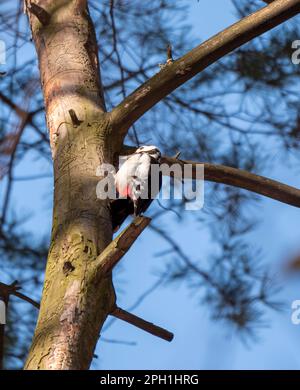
(133, 185)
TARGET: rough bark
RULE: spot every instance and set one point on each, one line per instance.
(75, 300)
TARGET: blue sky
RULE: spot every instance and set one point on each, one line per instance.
(199, 343)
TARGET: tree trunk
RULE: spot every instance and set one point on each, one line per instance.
(75, 300)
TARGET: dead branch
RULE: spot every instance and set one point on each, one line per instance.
(6, 290)
(142, 324)
(120, 245)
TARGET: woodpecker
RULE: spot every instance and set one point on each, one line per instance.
(133, 185)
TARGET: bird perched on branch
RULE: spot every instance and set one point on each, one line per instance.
(134, 186)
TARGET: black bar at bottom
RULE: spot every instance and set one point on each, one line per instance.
(132, 378)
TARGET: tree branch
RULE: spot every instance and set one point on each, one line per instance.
(25, 115)
(26, 299)
(120, 245)
(6, 290)
(195, 61)
(142, 324)
(19, 111)
(111, 256)
(243, 179)
(12, 289)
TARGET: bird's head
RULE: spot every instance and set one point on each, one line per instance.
(152, 150)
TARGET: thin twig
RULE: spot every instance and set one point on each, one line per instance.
(142, 324)
(12, 289)
(26, 299)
